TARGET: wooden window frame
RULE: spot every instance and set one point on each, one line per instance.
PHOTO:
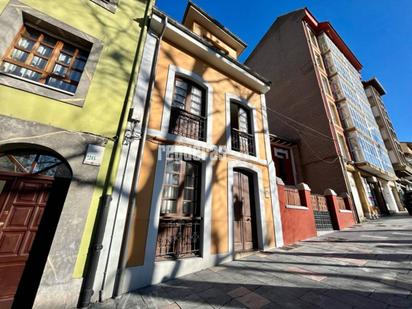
(182, 120)
(248, 113)
(52, 59)
(179, 214)
(242, 136)
(188, 98)
(16, 14)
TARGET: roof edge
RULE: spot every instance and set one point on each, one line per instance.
(214, 20)
(209, 45)
(375, 83)
(327, 27)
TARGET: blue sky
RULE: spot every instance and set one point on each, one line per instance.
(379, 32)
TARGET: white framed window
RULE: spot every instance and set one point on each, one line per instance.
(241, 131)
(193, 96)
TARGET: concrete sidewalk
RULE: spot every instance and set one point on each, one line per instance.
(367, 266)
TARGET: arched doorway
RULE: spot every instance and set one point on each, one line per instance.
(33, 187)
(244, 211)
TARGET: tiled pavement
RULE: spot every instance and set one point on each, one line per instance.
(367, 266)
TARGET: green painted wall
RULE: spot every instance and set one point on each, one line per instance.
(101, 111)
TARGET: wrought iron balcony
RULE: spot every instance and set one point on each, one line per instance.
(187, 124)
(243, 142)
(178, 238)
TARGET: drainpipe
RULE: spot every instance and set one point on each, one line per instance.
(96, 246)
(123, 260)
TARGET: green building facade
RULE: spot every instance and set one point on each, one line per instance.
(67, 75)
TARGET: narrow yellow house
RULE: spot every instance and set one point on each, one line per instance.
(204, 185)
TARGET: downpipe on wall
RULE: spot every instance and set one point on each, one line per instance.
(147, 107)
(96, 246)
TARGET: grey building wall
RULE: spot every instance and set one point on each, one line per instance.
(283, 56)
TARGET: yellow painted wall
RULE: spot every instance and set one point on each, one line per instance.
(204, 33)
(221, 84)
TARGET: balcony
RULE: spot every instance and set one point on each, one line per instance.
(187, 124)
(243, 142)
(178, 238)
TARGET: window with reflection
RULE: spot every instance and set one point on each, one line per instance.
(43, 58)
(179, 224)
(33, 162)
(187, 116)
(241, 129)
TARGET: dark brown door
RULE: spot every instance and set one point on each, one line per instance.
(243, 224)
(22, 203)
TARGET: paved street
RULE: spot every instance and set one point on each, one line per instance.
(367, 266)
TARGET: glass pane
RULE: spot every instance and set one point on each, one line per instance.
(12, 68)
(69, 48)
(196, 107)
(19, 55)
(54, 82)
(59, 70)
(190, 181)
(168, 207)
(39, 62)
(64, 58)
(170, 192)
(197, 91)
(189, 195)
(31, 75)
(25, 160)
(187, 207)
(173, 166)
(19, 71)
(190, 168)
(30, 32)
(243, 121)
(7, 165)
(181, 84)
(83, 55)
(179, 101)
(44, 50)
(181, 91)
(79, 64)
(172, 179)
(47, 165)
(49, 40)
(25, 43)
(75, 75)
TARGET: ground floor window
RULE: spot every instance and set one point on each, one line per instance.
(180, 220)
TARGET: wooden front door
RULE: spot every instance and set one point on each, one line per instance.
(243, 225)
(22, 204)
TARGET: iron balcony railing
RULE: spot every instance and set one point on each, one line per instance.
(243, 142)
(178, 238)
(187, 124)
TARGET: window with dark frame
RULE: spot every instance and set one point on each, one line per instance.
(187, 116)
(242, 138)
(37, 56)
(179, 224)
